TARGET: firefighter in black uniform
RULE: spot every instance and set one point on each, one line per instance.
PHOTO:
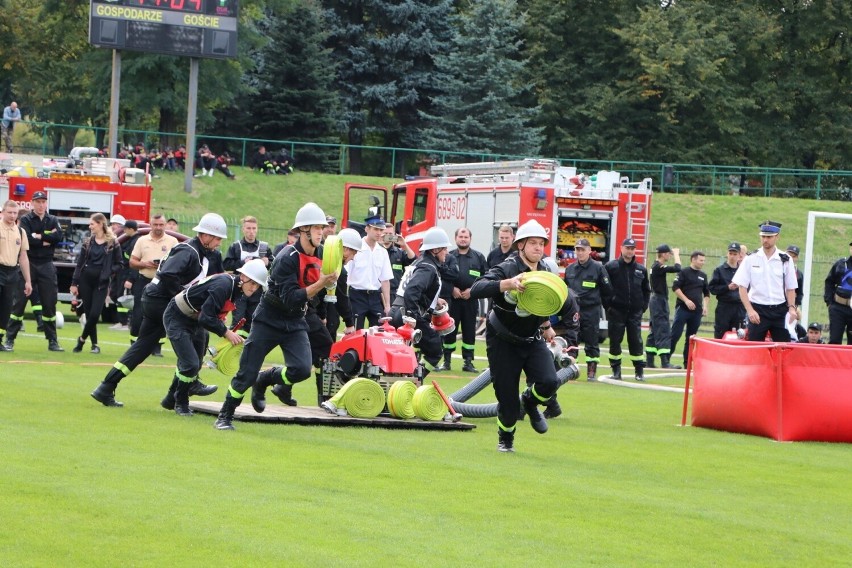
(631, 294)
(399, 253)
(279, 320)
(838, 297)
(449, 274)
(201, 308)
(185, 264)
(419, 295)
(660, 334)
(471, 265)
(566, 324)
(517, 343)
(238, 254)
(44, 233)
(589, 284)
(124, 281)
(730, 312)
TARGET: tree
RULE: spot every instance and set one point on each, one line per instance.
(481, 110)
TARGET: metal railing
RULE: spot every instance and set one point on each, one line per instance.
(47, 139)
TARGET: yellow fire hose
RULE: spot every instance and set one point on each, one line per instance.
(401, 399)
(226, 357)
(360, 398)
(428, 404)
(332, 261)
(544, 293)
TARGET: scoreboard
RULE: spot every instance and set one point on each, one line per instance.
(193, 28)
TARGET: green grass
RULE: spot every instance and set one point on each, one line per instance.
(616, 481)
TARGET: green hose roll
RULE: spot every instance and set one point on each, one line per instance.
(401, 399)
(544, 293)
(360, 398)
(428, 404)
(332, 258)
(227, 357)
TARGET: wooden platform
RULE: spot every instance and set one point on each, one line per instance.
(315, 416)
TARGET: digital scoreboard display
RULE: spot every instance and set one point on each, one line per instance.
(194, 28)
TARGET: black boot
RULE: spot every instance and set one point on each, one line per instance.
(39, 322)
(639, 368)
(592, 371)
(105, 394)
(552, 408)
(505, 440)
(468, 366)
(226, 414)
(284, 393)
(665, 362)
(79, 347)
(320, 396)
(3, 345)
(182, 399)
(448, 360)
(265, 379)
(530, 405)
(197, 388)
(168, 401)
(650, 359)
(158, 350)
(616, 370)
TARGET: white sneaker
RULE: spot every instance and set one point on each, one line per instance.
(118, 327)
(210, 173)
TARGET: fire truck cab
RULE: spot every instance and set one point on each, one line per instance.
(604, 208)
(76, 188)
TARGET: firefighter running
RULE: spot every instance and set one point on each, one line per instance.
(279, 320)
(187, 263)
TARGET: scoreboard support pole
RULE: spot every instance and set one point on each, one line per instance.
(191, 109)
(114, 145)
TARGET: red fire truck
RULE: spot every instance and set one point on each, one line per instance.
(604, 208)
(76, 187)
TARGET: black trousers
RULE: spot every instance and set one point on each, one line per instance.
(93, 300)
(43, 275)
(16, 317)
(619, 323)
(506, 361)
(728, 316)
(366, 304)
(659, 338)
(150, 333)
(839, 321)
(318, 337)
(136, 314)
(10, 280)
(332, 320)
(188, 339)
(589, 334)
(464, 312)
(772, 320)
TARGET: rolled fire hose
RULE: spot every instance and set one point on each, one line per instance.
(332, 261)
(428, 404)
(489, 410)
(544, 293)
(401, 399)
(226, 357)
(360, 398)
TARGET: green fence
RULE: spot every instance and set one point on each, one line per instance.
(57, 139)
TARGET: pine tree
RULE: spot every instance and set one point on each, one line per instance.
(482, 109)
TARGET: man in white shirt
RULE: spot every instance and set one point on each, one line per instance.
(370, 274)
(767, 281)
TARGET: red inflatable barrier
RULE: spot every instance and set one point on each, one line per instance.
(785, 391)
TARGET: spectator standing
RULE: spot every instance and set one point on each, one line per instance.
(838, 297)
(239, 253)
(793, 252)
(145, 257)
(98, 262)
(631, 295)
(589, 283)
(399, 253)
(14, 265)
(185, 264)
(691, 288)
(767, 281)
(505, 235)
(44, 233)
(11, 115)
(471, 265)
(660, 337)
(370, 274)
(730, 312)
(279, 321)
(172, 225)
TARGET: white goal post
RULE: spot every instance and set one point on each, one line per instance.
(809, 256)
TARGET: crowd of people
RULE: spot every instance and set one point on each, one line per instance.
(183, 291)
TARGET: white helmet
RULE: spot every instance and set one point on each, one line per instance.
(435, 238)
(212, 224)
(351, 239)
(310, 214)
(529, 229)
(256, 270)
(118, 219)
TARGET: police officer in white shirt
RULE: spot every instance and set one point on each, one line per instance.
(767, 281)
(370, 273)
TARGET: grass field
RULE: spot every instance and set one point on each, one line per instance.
(616, 481)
